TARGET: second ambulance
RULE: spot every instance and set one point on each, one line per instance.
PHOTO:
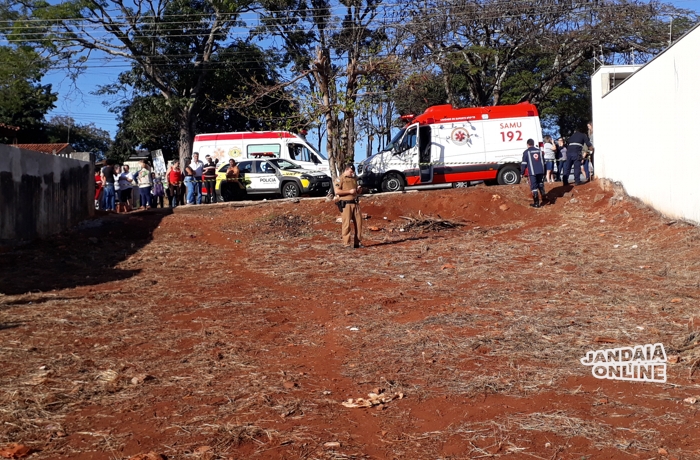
(448, 145)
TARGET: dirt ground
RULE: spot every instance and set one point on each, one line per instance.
(221, 332)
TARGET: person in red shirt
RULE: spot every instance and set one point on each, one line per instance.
(175, 178)
(98, 189)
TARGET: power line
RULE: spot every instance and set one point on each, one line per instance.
(88, 24)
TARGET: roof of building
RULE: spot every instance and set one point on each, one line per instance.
(51, 149)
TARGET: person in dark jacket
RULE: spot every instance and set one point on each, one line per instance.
(532, 160)
(574, 153)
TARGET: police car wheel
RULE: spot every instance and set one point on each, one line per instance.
(393, 183)
(290, 190)
(508, 175)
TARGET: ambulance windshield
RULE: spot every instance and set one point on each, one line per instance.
(395, 141)
(320, 155)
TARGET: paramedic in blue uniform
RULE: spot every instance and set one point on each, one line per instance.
(532, 160)
(574, 155)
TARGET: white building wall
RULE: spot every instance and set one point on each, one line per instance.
(647, 130)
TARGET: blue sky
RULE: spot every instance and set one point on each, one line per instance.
(75, 99)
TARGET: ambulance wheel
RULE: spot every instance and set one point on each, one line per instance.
(508, 175)
(290, 190)
(393, 183)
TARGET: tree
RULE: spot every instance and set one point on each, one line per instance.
(331, 55)
(148, 121)
(24, 101)
(566, 107)
(486, 41)
(419, 91)
(83, 138)
(171, 42)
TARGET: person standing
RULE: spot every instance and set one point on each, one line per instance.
(588, 162)
(346, 193)
(574, 152)
(233, 172)
(233, 186)
(125, 183)
(197, 167)
(585, 156)
(98, 190)
(117, 188)
(107, 174)
(561, 144)
(550, 157)
(175, 179)
(190, 184)
(144, 180)
(157, 191)
(532, 160)
(209, 178)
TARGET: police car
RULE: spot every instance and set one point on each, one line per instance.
(274, 176)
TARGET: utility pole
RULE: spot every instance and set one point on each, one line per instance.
(670, 33)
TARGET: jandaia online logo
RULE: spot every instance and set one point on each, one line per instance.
(641, 363)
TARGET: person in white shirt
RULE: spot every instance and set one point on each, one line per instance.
(125, 180)
(550, 157)
(197, 166)
(144, 181)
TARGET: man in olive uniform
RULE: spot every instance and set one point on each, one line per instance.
(346, 193)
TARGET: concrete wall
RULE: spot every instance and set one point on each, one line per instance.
(42, 194)
(83, 156)
(646, 130)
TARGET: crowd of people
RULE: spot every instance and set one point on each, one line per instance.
(556, 161)
(116, 185)
(565, 156)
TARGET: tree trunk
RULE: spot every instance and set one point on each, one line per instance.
(324, 77)
(187, 130)
(447, 82)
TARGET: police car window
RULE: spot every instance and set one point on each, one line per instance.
(266, 167)
(245, 166)
(224, 168)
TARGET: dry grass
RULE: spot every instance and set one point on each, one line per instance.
(471, 313)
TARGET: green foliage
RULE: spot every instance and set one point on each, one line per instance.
(24, 101)
(418, 92)
(566, 106)
(150, 121)
(83, 138)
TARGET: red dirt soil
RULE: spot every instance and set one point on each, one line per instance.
(235, 332)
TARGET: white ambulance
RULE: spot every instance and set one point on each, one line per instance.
(256, 144)
(448, 145)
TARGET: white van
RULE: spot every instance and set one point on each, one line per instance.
(271, 144)
(448, 145)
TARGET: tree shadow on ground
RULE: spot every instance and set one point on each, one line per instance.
(84, 256)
